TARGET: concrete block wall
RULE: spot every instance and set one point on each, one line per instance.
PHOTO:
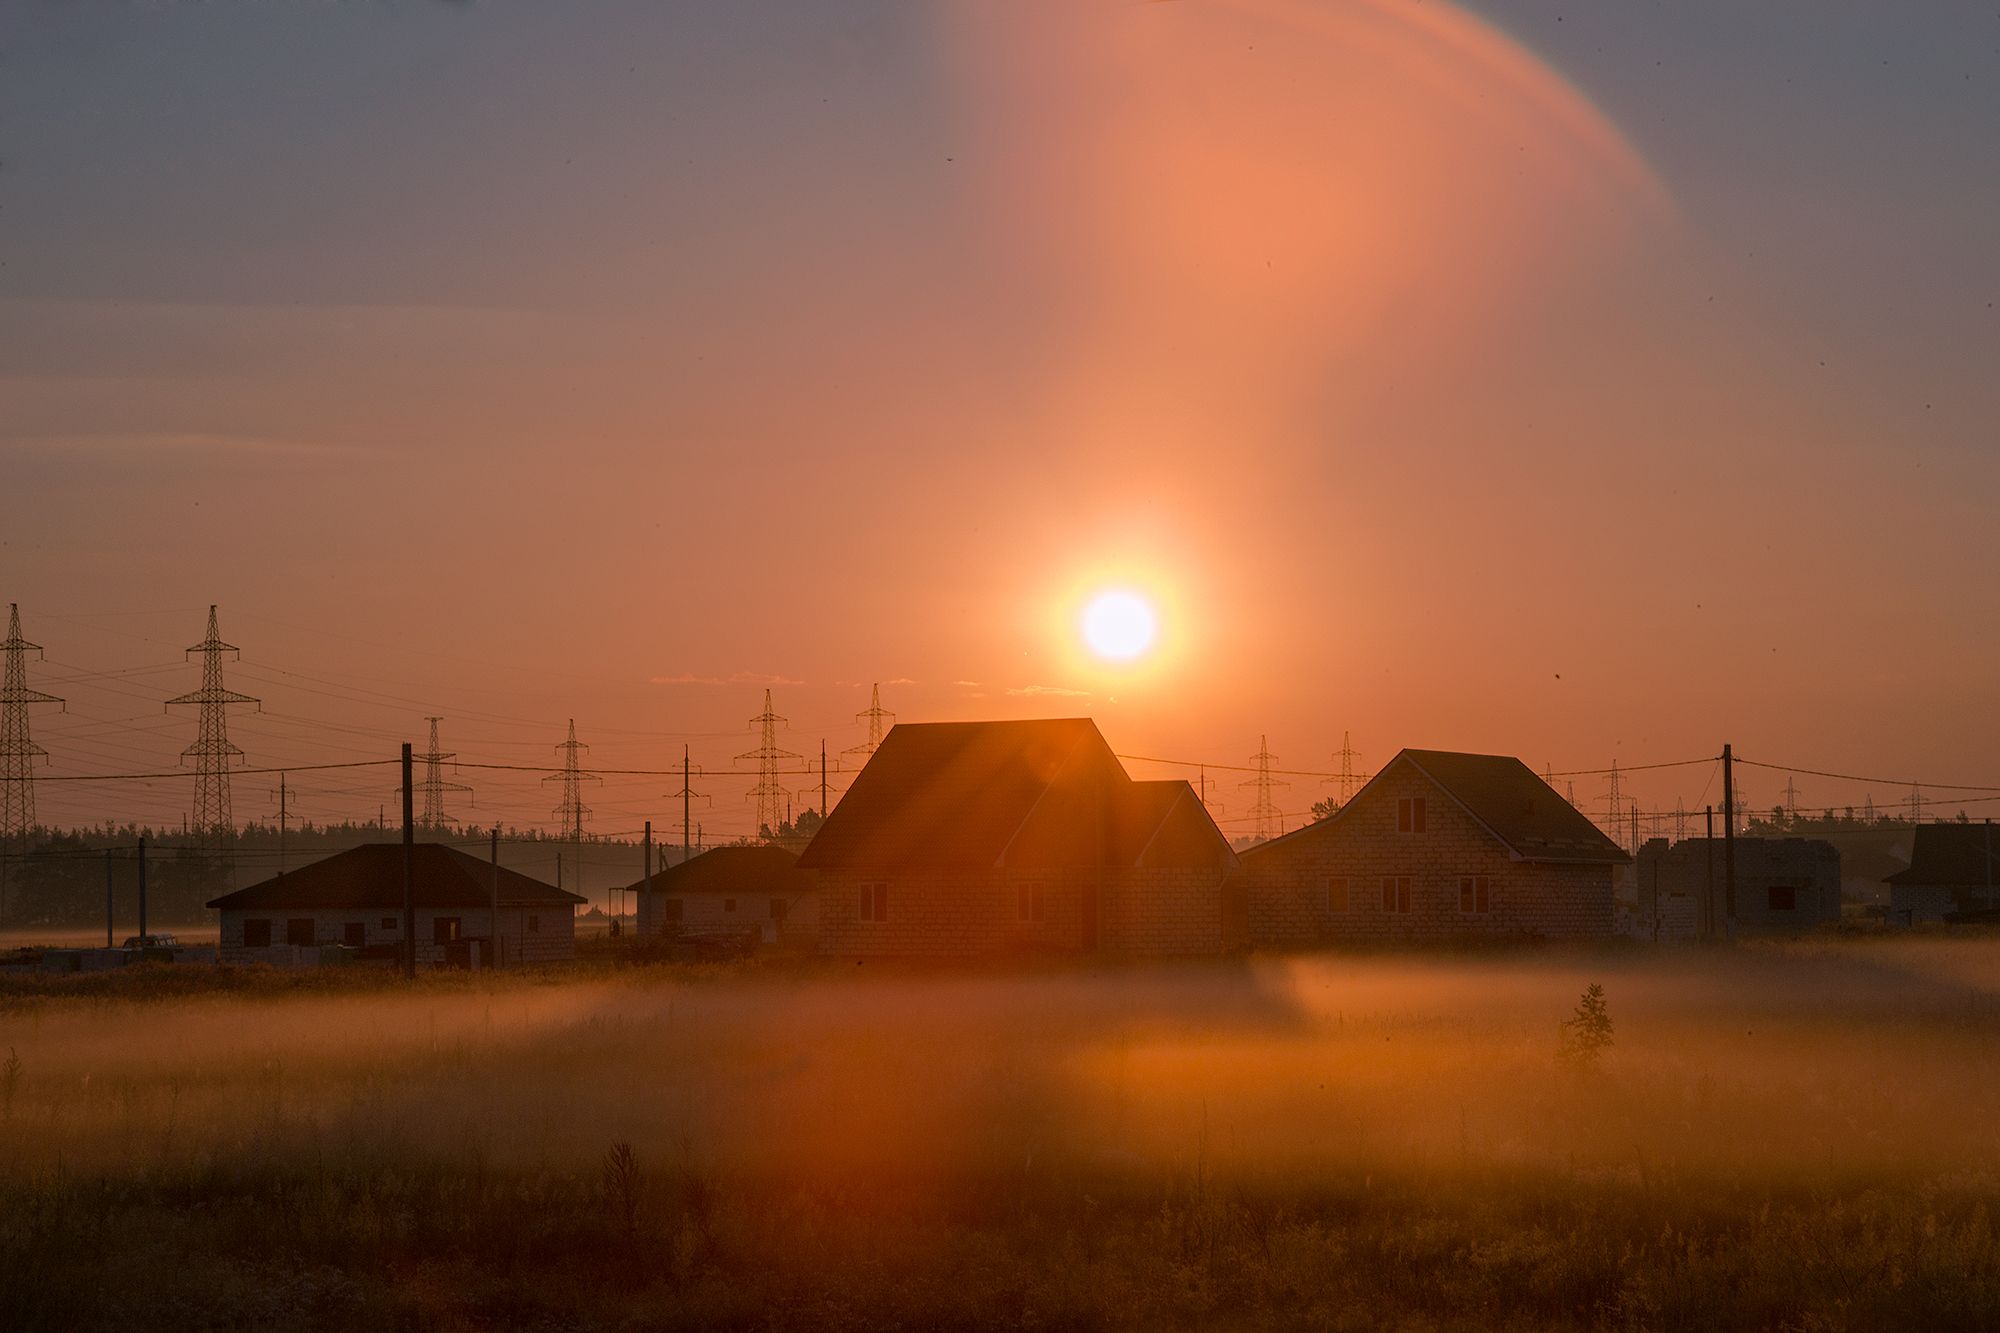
(1286, 884)
(1160, 912)
(552, 940)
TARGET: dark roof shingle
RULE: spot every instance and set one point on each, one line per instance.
(753, 868)
(370, 877)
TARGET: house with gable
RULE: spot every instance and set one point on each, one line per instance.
(1437, 844)
(982, 838)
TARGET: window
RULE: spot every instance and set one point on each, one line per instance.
(534, 924)
(1028, 900)
(299, 931)
(444, 929)
(778, 909)
(1475, 894)
(388, 923)
(1782, 898)
(1336, 893)
(875, 902)
(728, 904)
(1395, 893)
(673, 909)
(354, 934)
(1410, 814)
(256, 934)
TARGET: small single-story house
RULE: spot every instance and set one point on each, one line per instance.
(355, 899)
(979, 838)
(1782, 885)
(1437, 844)
(733, 890)
(1953, 868)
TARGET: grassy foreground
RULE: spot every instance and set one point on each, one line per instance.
(1798, 1137)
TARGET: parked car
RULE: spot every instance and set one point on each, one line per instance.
(151, 942)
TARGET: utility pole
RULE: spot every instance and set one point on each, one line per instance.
(1265, 812)
(872, 715)
(434, 784)
(1729, 838)
(18, 751)
(409, 866)
(769, 792)
(108, 908)
(284, 814)
(824, 810)
(686, 796)
(1708, 899)
(493, 911)
(142, 890)
(212, 751)
(648, 906)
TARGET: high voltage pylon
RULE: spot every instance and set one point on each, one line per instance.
(1614, 802)
(770, 794)
(18, 751)
(434, 784)
(873, 715)
(211, 820)
(1349, 780)
(1680, 820)
(572, 813)
(1791, 798)
(1916, 803)
(1265, 812)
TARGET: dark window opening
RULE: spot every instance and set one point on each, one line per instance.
(444, 929)
(1410, 814)
(1395, 893)
(256, 934)
(1783, 898)
(1475, 894)
(388, 923)
(299, 930)
(354, 934)
(1336, 893)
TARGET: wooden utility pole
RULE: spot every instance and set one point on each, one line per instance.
(1708, 899)
(822, 781)
(1729, 838)
(493, 912)
(108, 941)
(645, 881)
(409, 867)
(142, 890)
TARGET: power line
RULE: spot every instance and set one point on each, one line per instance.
(1263, 811)
(18, 750)
(212, 749)
(434, 784)
(769, 792)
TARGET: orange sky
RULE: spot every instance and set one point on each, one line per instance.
(514, 373)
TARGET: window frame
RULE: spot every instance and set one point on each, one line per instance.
(257, 925)
(1396, 894)
(1030, 903)
(1410, 814)
(1791, 895)
(1475, 895)
(874, 901)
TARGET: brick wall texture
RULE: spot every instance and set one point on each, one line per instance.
(1290, 900)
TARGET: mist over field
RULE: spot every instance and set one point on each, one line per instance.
(646, 1140)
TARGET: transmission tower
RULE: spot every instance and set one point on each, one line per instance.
(1264, 811)
(1614, 802)
(18, 750)
(1868, 807)
(572, 814)
(1916, 803)
(1636, 843)
(1680, 821)
(1791, 800)
(1349, 780)
(873, 714)
(769, 793)
(434, 784)
(212, 822)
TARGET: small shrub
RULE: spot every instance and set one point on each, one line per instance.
(1586, 1033)
(10, 1082)
(621, 1187)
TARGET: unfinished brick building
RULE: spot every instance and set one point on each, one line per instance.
(1436, 845)
(968, 838)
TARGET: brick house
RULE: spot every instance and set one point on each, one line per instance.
(971, 838)
(733, 890)
(1953, 868)
(1782, 885)
(355, 898)
(1436, 845)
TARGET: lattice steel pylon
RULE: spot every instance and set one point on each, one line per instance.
(1349, 780)
(572, 813)
(211, 821)
(770, 794)
(1614, 804)
(1265, 811)
(873, 715)
(18, 751)
(434, 784)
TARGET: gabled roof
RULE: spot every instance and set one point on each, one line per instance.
(748, 869)
(370, 878)
(978, 795)
(1507, 798)
(1952, 854)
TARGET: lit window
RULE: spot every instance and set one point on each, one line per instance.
(1410, 814)
(1336, 893)
(1475, 894)
(1395, 893)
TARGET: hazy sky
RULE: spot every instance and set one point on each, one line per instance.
(1583, 382)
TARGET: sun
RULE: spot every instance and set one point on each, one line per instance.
(1120, 626)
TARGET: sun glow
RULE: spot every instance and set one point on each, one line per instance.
(1120, 625)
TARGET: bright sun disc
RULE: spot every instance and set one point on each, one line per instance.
(1120, 626)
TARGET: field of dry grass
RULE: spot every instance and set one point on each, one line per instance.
(1784, 1136)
